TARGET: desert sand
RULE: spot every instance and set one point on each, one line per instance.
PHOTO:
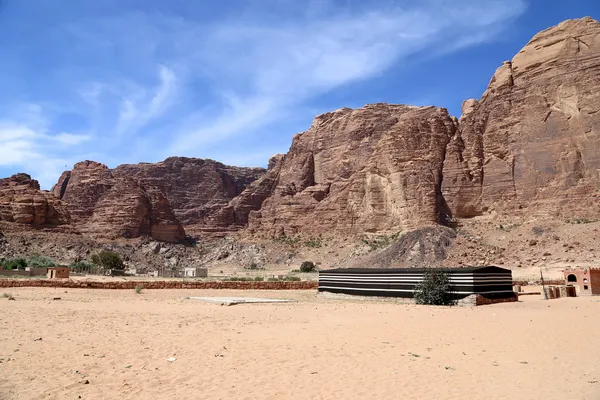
(317, 348)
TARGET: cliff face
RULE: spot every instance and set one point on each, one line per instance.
(22, 202)
(532, 142)
(108, 206)
(152, 199)
(197, 190)
(376, 168)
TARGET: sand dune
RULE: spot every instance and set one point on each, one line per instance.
(317, 348)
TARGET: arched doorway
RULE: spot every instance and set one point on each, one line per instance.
(571, 278)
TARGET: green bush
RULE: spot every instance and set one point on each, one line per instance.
(41, 262)
(434, 289)
(138, 289)
(259, 279)
(108, 260)
(292, 279)
(308, 266)
(14, 263)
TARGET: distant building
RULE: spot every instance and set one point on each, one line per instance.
(586, 280)
(58, 273)
(193, 272)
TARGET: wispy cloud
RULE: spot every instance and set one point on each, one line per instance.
(28, 143)
(141, 106)
(135, 84)
(283, 65)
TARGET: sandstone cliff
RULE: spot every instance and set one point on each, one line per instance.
(107, 206)
(376, 168)
(197, 189)
(152, 199)
(22, 202)
(532, 142)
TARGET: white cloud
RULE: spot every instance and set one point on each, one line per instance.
(28, 144)
(141, 106)
(70, 139)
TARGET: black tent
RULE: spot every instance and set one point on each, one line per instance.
(490, 282)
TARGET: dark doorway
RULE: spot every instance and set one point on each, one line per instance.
(571, 278)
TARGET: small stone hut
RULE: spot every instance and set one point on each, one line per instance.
(58, 272)
(585, 280)
(194, 272)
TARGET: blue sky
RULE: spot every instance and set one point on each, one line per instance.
(124, 81)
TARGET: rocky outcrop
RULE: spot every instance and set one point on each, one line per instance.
(199, 191)
(22, 202)
(377, 168)
(252, 198)
(153, 199)
(108, 206)
(531, 144)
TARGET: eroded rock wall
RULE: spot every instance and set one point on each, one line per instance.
(376, 168)
(531, 144)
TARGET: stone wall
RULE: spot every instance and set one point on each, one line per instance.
(302, 285)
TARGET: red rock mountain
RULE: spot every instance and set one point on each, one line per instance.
(530, 145)
(376, 168)
(22, 202)
(532, 142)
(156, 200)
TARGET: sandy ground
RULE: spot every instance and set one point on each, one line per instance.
(317, 348)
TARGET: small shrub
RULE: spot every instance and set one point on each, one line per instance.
(290, 241)
(308, 266)
(380, 242)
(314, 242)
(41, 262)
(7, 295)
(253, 266)
(434, 289)
(292, 279)
(581, 221)
(259, 279)
(139, 288)
(108, 260)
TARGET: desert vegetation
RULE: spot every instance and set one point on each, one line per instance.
(108, 260)
(14, 263)
(434, 289)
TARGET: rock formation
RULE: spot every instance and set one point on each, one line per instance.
(108, 206)
(152, 199)
(532, 142)
(22, 202)
(377, 168)
(198, 190)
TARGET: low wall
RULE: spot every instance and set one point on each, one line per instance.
(302, 285)
(14, 272)
(28, 272)
(538, 282)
